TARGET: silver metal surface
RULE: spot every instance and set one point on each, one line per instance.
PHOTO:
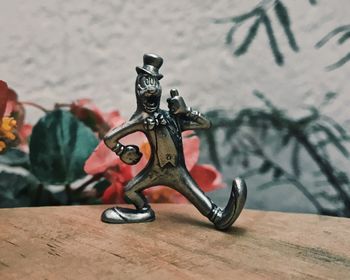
(166, 165)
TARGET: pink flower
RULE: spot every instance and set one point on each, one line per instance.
(93, 117)
(8, 101)
(103, 160)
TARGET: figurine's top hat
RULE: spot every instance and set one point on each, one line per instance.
(151, 65)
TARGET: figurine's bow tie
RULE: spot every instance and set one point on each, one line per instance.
(154, 121)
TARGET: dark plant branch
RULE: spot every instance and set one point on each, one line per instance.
(313, 2)
(345, 29)
(259, 15)
(311, 135)
(344, 38)
(283, 17)
(272, 40)
(331, 34)
(281, 176)
(339, 63)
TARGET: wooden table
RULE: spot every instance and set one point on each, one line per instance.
(72, 243)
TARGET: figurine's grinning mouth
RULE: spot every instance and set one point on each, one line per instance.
(151, 102)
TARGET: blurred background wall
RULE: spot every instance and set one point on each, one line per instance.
(59, 51)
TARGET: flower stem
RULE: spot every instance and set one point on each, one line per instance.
(28, 103)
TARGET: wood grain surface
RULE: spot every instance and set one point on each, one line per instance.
(72, 243)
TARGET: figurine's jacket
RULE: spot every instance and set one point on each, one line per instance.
(165, 139)
(168, 141)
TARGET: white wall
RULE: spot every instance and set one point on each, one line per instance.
(58, 51)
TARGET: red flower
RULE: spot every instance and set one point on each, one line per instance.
(90, 114)
(103, 160)
(8, 100)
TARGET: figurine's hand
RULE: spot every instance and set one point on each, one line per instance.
(131, 154)
(176, 103)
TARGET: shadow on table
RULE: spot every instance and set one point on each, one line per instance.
(234, 230)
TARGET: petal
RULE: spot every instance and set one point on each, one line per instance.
(207, 177)
(113, 194)
(3, 97)
(100, 160)
(24, 133)
(13, 105)
(121, 173)
(90, 115)
(113, 119)
(191, 151)
(81, 107)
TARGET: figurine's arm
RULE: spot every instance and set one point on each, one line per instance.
(194, 120)
(188, 118)
(129, 154)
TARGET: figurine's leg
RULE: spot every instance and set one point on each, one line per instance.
(221, 218)
(142, 213)
(189, 188)
(133, 192)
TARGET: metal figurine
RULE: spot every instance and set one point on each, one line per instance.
(166, 165)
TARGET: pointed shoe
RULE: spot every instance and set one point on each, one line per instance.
(234, 206)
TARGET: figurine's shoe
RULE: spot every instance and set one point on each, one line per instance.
(225, 218)
(118, 215)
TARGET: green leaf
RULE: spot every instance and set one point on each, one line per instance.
(329, 97)
(229, 35)
(331, 34)
(339, 63)
(344, 38)
(14, 157)
(272, 39)
(283, 17)
(253, 30)
(16, 190)
(59, 147)
(313, 2)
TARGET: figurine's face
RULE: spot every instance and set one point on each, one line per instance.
(148, 92)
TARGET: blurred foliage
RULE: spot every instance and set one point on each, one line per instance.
(52, 153)
(258, 17)
(261, 16)
(23, 190)
(253, 132)
(59, 147)
(15, 158)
